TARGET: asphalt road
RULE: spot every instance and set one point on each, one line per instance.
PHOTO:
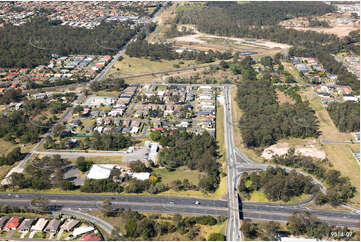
(325, 141)
(181, 205)
(233, 224)
(95, 220)
(66, 155)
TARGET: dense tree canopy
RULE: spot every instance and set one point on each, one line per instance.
(339, 189)
(265, 121)
(346, 116)
(197, 151)
(277, 184)
(33, 43)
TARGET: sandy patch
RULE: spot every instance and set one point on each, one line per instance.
(282, 148)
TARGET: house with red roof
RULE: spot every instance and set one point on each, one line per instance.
(91, 237)
(13, 223)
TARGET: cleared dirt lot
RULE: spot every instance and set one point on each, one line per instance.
(206, 39)
(282, 148)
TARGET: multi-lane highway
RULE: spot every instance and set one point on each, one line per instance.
(233, 224)
(182, 205)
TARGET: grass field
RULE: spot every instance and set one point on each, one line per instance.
(4, 170)
(132, 66)
(6, 147)
(180, 173)
(221, 192)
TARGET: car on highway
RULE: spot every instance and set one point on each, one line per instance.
(197, 203)
(171, 202)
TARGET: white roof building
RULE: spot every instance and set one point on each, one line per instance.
(134, 130)
(82, 230)
(40, 225)
(141, 175)
(100, 171)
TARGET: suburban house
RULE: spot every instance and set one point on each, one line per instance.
(53, 226)
(13, 223)
(69, 225)
(26, 225)
(3, 221)
(91, 237)
(82, 230)
(40, 225)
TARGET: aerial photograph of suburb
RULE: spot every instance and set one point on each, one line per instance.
(180, 120)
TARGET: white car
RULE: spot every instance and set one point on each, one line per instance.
(197, 203)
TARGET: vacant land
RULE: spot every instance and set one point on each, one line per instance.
(133, 66)
(6, 147)
(230, 42)
(167, 177)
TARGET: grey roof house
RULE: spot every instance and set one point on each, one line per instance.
(53, 226)
(26, 225)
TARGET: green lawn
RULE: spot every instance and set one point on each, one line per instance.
(40, 235)
(16, 234)
(180, 173)
(221, 191)
(3, 234)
